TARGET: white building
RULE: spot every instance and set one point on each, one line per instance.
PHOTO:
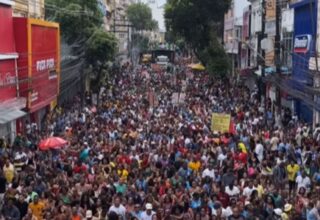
(232, 30)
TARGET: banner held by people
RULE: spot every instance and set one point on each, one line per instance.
(220, 122)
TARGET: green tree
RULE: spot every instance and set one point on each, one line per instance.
(76, 17)
(81, 24)
(101, 48)
(140, 41)
(140, 16)
(197, 23)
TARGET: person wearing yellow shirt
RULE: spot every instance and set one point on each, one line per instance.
(292, 170)
(8, 171)
(37, 208)
(123, 173)
(242, 147)
(259, 188)
(194, 165)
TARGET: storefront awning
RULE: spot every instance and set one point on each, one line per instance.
(7, 116)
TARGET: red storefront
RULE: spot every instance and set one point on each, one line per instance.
(11, 102)
(38, 44)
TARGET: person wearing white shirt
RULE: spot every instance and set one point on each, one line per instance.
(232, 190)
(209, 172)
(274, 142)
(147, 215)
(247, 191)
(303, 181)
(225, 212)
(221, 157)
(118, 208)
(259, 151)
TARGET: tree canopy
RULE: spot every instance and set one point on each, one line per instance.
(140, 16)
(76, 17)
(197, 22)
(81, 24)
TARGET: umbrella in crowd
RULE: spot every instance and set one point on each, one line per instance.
(197, 67)
(52, 143)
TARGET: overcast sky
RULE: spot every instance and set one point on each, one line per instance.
(157, 11)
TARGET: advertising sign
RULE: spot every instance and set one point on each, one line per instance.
(44, 62)
(302, 43)
(40, 45)
(220, 122)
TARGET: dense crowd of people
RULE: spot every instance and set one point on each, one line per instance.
(140, 155)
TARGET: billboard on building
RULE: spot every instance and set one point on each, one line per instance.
(38, 42)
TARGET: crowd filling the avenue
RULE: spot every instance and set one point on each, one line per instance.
(141, 154)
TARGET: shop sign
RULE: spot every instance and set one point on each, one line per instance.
(45, 64)
(7, 79)
(302, 43)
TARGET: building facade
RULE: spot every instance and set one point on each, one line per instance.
(233, 21)
(305, 37)
(38, 45)
(298, 70)
(120, 25)
(29, 8)
(29, 68)
(11, 102)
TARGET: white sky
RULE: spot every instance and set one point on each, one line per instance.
(157, 11)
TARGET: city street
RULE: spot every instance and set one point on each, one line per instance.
(140, 110)
(130, 153)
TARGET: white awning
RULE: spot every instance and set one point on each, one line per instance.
(9, 56)
(7, 116)
(6, 2)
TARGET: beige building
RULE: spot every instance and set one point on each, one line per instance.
(119, 24)
(28, 8)
(155, 36)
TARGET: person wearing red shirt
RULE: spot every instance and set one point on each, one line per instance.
(124, 159)
(240, 157)
(223, 197)
(79, 168)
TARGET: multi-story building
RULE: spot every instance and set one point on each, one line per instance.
(298, 69)
(120, 25)
(29, 59)
(30, 8)
(155, 36)
(11, 103)
(106, 7)
(233, 31)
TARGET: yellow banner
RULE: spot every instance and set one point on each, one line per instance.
(220, 122)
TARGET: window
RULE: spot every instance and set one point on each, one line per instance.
(53, 74)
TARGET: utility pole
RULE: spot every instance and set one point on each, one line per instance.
(278, 52)
(263, 62)
(114, 16)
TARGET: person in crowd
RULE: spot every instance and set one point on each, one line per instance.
(149, 149)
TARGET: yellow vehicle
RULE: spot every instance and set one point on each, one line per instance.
(146, 58)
